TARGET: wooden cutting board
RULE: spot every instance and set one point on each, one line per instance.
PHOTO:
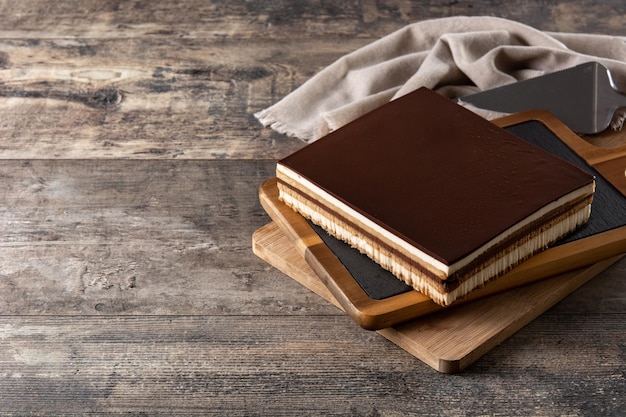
(452, 339)
(604, 236)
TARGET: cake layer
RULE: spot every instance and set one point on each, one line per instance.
(312, 201)
(489, 264)
(430, 191)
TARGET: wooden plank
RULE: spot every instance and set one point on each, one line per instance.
(145, 100)
(268, 242)
(171, 97)
(258, 365)
(450, 340)
(196, 18)
(136, 237)
(282, 20)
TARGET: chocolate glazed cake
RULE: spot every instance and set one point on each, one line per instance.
(440, 197)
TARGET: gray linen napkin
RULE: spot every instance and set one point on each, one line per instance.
(454, 56)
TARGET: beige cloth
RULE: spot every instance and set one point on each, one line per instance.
(453, 56)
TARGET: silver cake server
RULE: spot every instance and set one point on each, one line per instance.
(584, 97)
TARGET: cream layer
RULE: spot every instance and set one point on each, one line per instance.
(496, 266)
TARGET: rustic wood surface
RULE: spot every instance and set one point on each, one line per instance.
(129, 170)
(451, 340)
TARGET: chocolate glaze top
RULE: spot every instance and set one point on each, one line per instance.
(432, 172)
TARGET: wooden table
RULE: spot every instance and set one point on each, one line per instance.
(128, 181)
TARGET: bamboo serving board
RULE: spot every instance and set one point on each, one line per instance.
(452, 339)
(372, 313)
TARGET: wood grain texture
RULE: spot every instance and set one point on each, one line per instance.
(450, 340)
(166, 80)
(129, 165)
(295, 366)
(283, 20)
(268, 243)
(134, 237)
(141, 99)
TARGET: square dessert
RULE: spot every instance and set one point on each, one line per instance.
(437, 195)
